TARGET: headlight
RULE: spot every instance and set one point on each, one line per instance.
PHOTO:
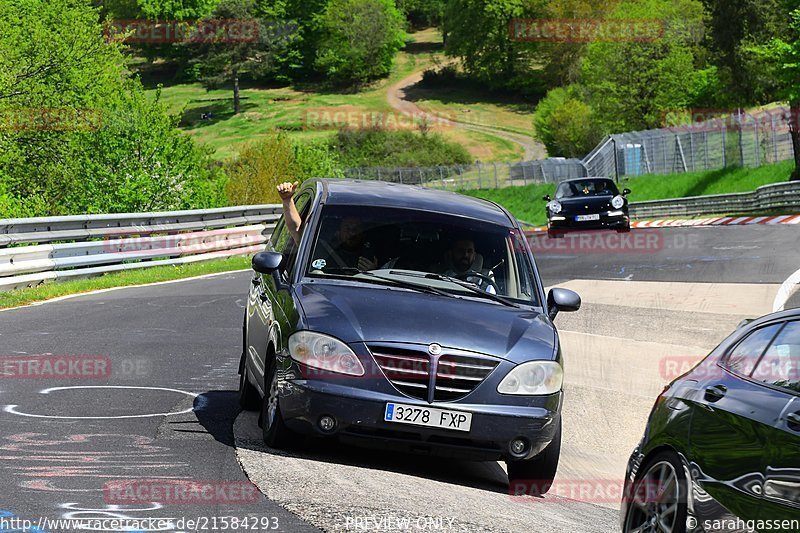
(535, 378)
(554, 207)
(324, 352)
(617, 202)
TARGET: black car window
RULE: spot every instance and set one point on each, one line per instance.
(780, 365)
(490, 256)
(746, 354)
(589, 187)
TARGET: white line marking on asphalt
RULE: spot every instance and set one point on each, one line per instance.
(99, 291)
(785, 292)
(13, 408)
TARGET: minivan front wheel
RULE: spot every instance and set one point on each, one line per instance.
(658, 502)
(535, 476)
(274, 430)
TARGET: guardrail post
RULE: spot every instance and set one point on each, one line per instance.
(496, 181)
(723, 131)
(774, 140)
(758, 143)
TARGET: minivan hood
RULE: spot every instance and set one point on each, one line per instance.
(355, 312)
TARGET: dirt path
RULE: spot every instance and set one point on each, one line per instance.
(396, 97)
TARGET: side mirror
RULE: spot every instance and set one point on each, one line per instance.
(546, 197)
(267, 262)
(562, 300)
(626, 192)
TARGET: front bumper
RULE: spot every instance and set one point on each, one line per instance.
(562, 222)
(359, 420)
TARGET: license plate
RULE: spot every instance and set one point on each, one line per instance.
(427, 416)
(586, 218)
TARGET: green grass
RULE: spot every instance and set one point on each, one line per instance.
(121, 279)
(526, 203)
(305, 112)
(724, 181)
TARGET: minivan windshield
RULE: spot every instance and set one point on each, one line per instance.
(589, 187)
(448, 253)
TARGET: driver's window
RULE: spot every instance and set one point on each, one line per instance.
(283, 242)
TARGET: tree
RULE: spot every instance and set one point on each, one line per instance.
(784, 53)
(359, 40)
(76, 133)
(477, 33)
(734, 26)
(423, 13)
(263, 164)
(630, 83)
(227, 57)
(565, 124)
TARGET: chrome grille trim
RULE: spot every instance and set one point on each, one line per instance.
(409, 370)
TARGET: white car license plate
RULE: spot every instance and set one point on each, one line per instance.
(586, 218)
(427, 416)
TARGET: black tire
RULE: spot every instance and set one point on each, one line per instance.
(650, 505)
(273, 429)
(249, 399)
(535, 476)
(626, 229)
(555, 234)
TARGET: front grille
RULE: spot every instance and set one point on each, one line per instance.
(409, 370)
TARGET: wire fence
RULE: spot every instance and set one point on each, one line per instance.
(741, 139)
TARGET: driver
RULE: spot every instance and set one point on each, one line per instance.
(462, 258)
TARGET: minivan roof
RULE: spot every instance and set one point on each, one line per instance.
(387, 194)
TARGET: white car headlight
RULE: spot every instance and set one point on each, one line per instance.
(617, 202)
(554, 207)
(326, 353)
(535, 378)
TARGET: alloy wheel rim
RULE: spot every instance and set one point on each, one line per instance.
(654, 506)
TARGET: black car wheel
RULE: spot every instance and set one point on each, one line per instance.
(626, 229)
(248, 395)
(658, 499)
(536, 475)
(273, 429)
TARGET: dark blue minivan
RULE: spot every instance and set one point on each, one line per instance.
(405, 318)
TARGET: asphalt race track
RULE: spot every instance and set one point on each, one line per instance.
(162, 408)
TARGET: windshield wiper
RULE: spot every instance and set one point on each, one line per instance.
(477, 290)
(352, 271)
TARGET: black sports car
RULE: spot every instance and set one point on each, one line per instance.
(721, 451)
(587, 203)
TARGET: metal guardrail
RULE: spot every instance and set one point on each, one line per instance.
(784, 195)
(99, 244)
